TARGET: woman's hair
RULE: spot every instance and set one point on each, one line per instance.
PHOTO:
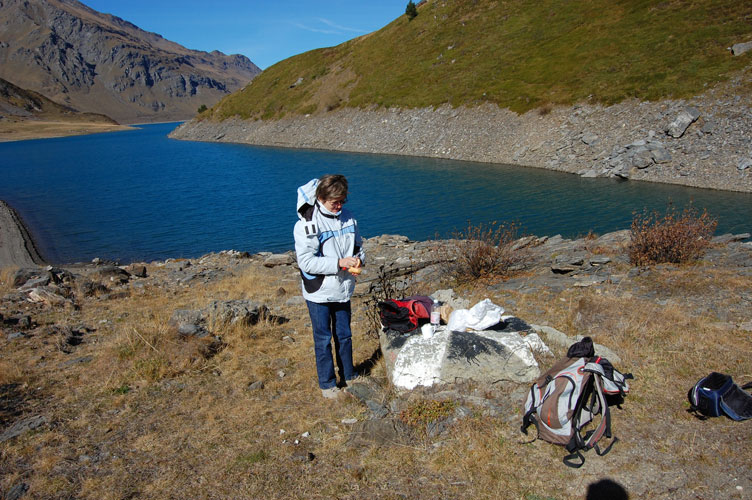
(332, 187)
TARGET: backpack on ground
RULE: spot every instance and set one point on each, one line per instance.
(565, 400)
(717, 394)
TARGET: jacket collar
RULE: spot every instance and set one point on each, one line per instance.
(327, 213)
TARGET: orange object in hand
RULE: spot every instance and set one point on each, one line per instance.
(356, 269)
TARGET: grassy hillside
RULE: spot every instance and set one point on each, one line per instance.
(519, 54)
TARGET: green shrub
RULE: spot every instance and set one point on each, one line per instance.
(484, 251)
(411, 11)
(202, 108)
(671, 237)
(419, 414)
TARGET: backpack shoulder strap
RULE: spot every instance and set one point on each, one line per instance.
(593, 400)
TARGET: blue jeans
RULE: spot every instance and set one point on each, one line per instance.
(328, 318)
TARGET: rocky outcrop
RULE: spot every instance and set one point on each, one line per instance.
(701, 142)
(100, 63)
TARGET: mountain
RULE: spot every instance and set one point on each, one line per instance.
(99, 63)
(25, 114)
(20, 104)
(516, 54)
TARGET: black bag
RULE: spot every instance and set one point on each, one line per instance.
(396, 317)
(717, 394)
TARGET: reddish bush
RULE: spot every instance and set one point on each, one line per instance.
(485, 251)
(672, 237)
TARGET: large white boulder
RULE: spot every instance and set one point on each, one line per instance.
(487, 356)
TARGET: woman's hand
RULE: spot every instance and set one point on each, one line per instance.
(347, 262)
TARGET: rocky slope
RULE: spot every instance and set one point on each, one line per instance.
(99, 63)
(20, 104)
(701, 142)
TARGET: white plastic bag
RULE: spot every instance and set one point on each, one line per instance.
(481, 316)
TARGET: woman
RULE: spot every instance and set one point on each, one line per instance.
(328, 248)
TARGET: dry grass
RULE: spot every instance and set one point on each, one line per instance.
(151, 417)
(6, 279)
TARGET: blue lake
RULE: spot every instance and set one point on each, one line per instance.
(138, 195)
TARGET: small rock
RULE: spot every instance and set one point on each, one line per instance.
(49, 295)
(683, 120)
(740, 48)
(281, 259)
(377, 410)
(303, 456)
(744, 163)
(557, 268)
(192, 330)
(138, 271)
(35, 282)
(661, 155)
(22, 426)
(599, 260)
(17, 491)
(256, 386)
(590, 139)
(642, 159)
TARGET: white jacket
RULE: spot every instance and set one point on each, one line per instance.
(319, 244)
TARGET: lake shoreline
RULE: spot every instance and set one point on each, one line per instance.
(41, 129)
(628, 140)
(17, 247)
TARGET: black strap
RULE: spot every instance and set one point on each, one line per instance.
(748, 385)
(527, 419)
(607, 449)
(577, 441)
(569, 460)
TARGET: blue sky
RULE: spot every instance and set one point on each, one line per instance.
(264, 31)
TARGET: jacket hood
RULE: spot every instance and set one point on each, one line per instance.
(306, 197)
